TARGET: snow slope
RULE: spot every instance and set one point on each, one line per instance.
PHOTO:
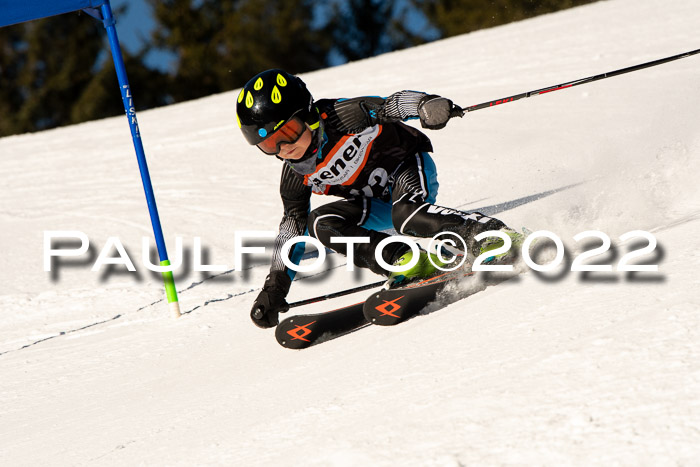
(569, 368)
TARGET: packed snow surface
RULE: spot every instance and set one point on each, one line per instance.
(556, 368)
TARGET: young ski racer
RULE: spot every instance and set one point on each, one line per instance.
(359, 150)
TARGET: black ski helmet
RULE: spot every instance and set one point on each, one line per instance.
(269, 100)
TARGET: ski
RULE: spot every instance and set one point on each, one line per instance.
(386, 307)
(394, 305)
(391, 306)
(302, 331)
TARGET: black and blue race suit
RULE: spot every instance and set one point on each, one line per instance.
(382, 171)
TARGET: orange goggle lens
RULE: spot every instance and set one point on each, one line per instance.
(289, 133)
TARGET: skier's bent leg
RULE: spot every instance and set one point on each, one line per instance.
(421, 219)
(343, 219)
(413, 211)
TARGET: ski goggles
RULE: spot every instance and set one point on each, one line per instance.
(289, 133)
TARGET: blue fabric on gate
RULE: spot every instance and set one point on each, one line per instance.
(13, 11)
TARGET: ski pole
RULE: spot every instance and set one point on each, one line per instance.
(337, 294)
(577, 82)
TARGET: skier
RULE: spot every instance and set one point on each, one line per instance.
(357, 149)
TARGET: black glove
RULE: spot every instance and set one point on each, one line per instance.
(271, 300)
(434, 111)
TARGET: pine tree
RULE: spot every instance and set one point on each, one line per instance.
(453, 17)
(58, 71)
(220, 44)
(365, 28)
(13, 57)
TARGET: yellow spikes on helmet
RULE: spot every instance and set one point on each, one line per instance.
(281, 80)
(249, 100)
(258, 84)
(276, 95)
